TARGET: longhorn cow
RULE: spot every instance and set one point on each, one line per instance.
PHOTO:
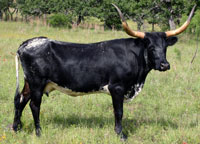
(117, 67)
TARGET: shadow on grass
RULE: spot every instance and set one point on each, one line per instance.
(129, 125)
(76, 120)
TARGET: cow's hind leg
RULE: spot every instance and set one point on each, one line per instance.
(117, 93)
(35, 108)
(20, 102)
(36, 98)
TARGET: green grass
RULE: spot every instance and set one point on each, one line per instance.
(167, 111)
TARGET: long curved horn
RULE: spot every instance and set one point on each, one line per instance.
(127, 28)
(183, 27)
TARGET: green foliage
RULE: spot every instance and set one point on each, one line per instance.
(5, 4)
(33, 7)
(138, 11)
(165, 13)
(194, 26)
(108, 14)
(5, 7)
(60, 20)
(174, 10)
(112, 22)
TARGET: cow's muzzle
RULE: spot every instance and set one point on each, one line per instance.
(164, 66)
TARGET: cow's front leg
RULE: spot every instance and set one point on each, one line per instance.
(35, 103)
(117, 93)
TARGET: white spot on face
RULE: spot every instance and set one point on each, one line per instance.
(36, 42)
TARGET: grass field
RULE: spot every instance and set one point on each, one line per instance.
(167, 111)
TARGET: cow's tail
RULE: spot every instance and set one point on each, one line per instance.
(17, 92)
(17, 73)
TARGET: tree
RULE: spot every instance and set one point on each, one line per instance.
(166, 13)
(172, 11)
(153, 14)
(139, 11)
(79, 9)
(135, 10)
(194, 27)
(83, 8)
(108, 14)
(5, 7)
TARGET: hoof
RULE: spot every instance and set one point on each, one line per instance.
(123, 137)
(38, 132)
(16, 127)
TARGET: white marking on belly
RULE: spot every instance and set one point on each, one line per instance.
(51, 86)
(36, 42)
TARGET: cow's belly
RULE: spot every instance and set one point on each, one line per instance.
(51, 86)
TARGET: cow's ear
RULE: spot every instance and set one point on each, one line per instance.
(171, 41)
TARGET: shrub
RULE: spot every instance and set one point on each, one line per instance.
(60, 20)
(194, 27)
(112, 22)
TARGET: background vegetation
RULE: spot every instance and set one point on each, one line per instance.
(165, 13)
(167, 111)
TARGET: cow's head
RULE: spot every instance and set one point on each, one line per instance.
(156, 42)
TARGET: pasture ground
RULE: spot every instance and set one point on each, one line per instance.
(167, 111)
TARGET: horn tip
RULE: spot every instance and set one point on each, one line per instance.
(120, 13)
(192, 12)
(113, 4)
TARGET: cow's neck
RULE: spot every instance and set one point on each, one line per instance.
(143, 62)
(138, 82)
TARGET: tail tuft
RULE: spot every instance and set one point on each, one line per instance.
(17, 74)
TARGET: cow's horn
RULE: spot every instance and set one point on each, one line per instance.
(127, 28)
(183, 27)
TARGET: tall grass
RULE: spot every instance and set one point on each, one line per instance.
(167, 111)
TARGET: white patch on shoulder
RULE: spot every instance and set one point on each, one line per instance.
(36, 42)
(51, 86)
(137, 89)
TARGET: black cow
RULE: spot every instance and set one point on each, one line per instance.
(118, 67)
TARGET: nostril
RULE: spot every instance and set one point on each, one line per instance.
(162, 64)
(165, 66)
